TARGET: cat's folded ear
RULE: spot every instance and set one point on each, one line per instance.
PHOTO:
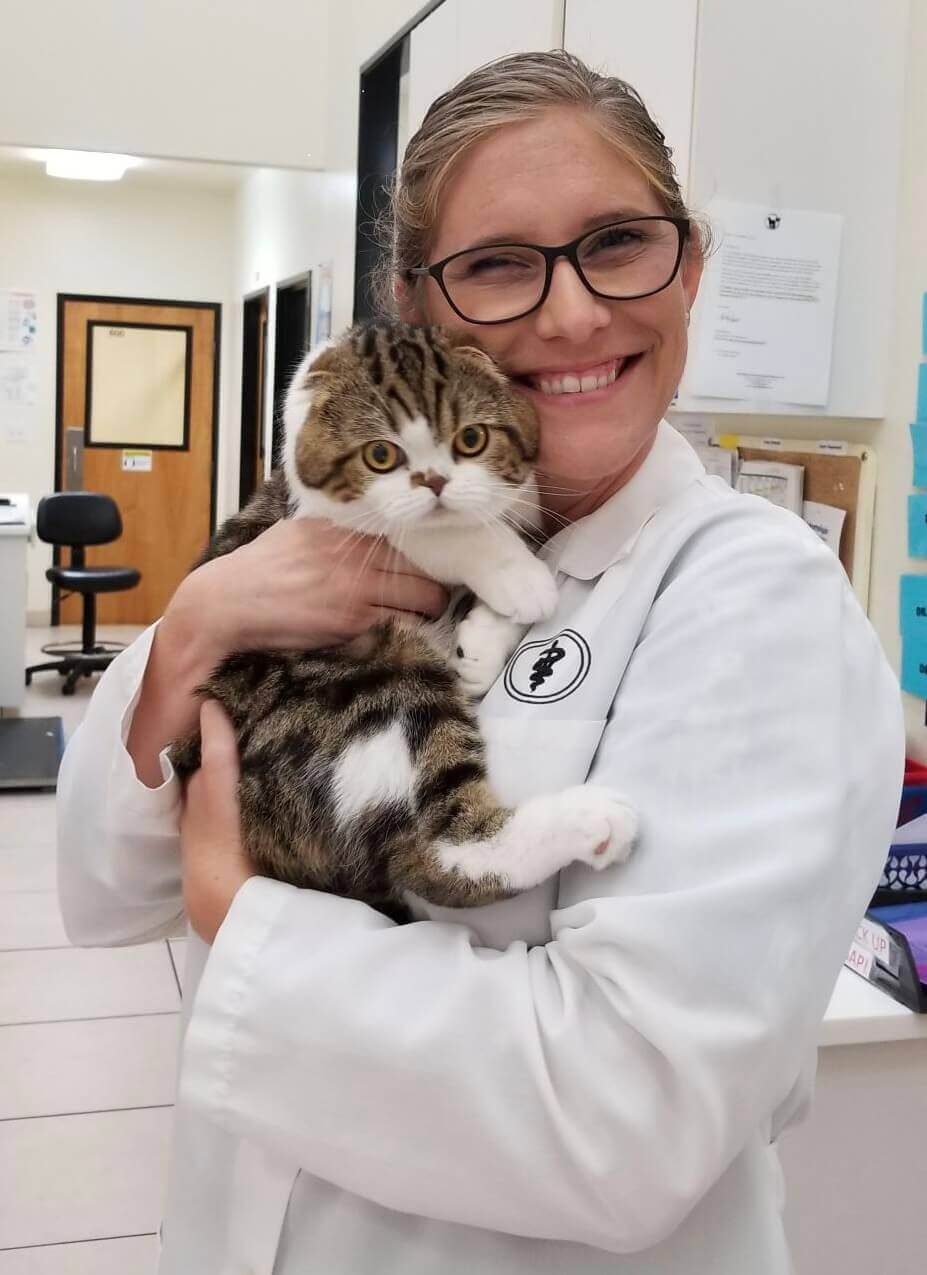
(322, 360)
(462, 346)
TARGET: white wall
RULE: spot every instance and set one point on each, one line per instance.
(144, 241)
(193, 79)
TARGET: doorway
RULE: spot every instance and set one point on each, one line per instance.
(253, 380)
(137, 419)
(291, 341)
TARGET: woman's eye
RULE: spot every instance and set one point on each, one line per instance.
(382, 456)
(471, 440)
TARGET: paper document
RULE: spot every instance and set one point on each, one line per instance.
(18, 383)
(777, 482)
(18, 321)
(826, 520)
(766, 309)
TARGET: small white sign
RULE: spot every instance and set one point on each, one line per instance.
(875, 940)
(136, 461)
(860, 960)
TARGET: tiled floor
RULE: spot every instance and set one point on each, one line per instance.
(88, 1041)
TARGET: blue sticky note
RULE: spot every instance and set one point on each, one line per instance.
(917, 526)
(922, 392)
(914, 667)
(919, 447)
(913, 607)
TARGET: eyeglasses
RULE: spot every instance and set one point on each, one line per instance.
(623, 261)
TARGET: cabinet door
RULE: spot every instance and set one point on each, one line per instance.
(801, 106)
(461, 35)
(652, 46)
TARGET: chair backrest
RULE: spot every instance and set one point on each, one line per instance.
(78, 518)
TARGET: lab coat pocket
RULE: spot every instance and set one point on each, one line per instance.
(528, 756)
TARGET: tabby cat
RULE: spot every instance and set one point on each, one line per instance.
(362, 766)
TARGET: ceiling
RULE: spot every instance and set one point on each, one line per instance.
(22, 161)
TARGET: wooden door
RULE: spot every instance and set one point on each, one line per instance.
(162, 481)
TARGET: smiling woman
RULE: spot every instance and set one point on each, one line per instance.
(574, 1079)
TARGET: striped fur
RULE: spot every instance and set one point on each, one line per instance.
(301, 717)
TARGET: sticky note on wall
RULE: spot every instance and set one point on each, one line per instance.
(922, 392)
(913, 607)
(919, 447)
(914, 667)
(917, 526)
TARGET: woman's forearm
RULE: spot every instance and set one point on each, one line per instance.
(181, 659)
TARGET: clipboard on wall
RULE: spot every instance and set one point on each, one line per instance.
(839, 474)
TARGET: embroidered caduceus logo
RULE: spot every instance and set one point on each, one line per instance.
(549, 670)
(544, 665)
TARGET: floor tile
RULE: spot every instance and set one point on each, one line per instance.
(28, 867)
(85, 983)
(51, 1069)
(26, 818)
(31, 918)
(135, 1256)
(82, 1177)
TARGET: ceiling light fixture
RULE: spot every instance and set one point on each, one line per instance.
(91, 166)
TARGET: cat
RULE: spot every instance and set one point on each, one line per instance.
(362, 766)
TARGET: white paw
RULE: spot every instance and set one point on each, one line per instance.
(524, 590)
(586, 824)
(482, 644)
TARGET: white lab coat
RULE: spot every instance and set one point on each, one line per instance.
(590, 1077)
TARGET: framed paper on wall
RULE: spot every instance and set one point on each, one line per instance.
(138, 385)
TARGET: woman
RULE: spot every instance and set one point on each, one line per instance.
(591, 1077)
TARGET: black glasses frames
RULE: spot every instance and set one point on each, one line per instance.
(551, 255)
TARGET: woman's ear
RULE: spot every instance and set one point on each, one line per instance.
(407, 306)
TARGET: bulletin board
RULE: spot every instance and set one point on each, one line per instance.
(836, 473)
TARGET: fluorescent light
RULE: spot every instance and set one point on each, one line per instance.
(92, 166)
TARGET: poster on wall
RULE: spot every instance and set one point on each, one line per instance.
(18, 320)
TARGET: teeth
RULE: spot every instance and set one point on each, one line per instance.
(570, 383)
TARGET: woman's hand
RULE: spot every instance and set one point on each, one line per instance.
(215, 865)
(302, 584)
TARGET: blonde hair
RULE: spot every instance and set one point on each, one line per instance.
(509, 91)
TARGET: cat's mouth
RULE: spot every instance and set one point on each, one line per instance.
(587, 381)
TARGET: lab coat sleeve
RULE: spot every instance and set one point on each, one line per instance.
(594, 1089)
(119, 879)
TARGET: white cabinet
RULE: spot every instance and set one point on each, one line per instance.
(461, 35)
(652, 47)
(800, 106)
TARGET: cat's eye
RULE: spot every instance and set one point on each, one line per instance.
(382, 456)
(471, 440)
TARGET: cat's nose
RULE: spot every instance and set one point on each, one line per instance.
(435, 482)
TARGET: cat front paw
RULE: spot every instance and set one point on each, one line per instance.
(524, 590)
(586, 824)
(484, 642)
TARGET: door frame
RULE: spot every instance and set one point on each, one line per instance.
(257, 295)
(279, 377)
(62, 299)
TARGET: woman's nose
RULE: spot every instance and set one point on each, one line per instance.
(570, 310)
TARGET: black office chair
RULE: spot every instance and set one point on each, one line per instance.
(78, 519)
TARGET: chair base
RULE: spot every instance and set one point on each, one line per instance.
(73, 667)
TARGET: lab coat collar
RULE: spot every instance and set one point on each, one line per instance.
(591, 545)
